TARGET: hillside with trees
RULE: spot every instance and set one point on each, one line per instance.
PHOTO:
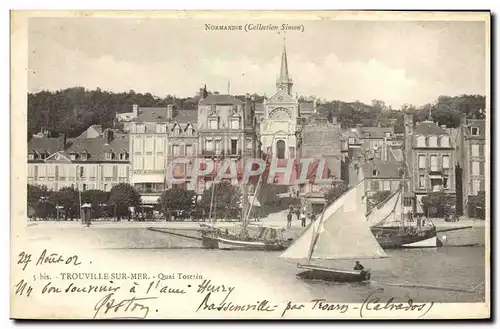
(73, 110)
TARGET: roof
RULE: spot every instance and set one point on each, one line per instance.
(45, 144)
(427, 128)
(97, 147)
(386, 169)
(185, 116)
(218, 99)
(96, 128)
(375, 132)
(152, 114)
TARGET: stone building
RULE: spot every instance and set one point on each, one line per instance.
(471, 160)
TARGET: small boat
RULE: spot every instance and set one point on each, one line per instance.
(341, 234)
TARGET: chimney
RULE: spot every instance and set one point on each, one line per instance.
(63, 141)
(170, 111)
(463, 119)
(108, 136)
(135, 110)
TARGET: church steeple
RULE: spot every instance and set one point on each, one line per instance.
(284, 81)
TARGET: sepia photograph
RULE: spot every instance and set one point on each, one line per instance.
(250, 165)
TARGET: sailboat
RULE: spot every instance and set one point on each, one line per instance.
(266, 238)
(342, 233)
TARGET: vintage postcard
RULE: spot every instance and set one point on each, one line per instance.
(250, 165)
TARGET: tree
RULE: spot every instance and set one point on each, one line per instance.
(98, 200)
(438, 204)
(226, 199)
(177, 199)
(123, 196)
(335, 192)
(477, 205)
(68, 198)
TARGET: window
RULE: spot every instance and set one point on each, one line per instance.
(445, 182)
(249, 144)
(124, 156)
(108, 171)
(432, 141)
(62, 171)
(475, 186)
(375, 186)
(106, 187)
(351, 140)
(138, 162)
(51, 171)
(420, 141)
(235, 123)
(421, 181)
(446, 162)
(149, 147)
(213, 124)
(84, 155)
(234, 146)
(84, 187)
(42, 172)
(189, 150)
(474, 131)
(31, 156)
(176, 150)
(82, 171)
(280, 149)
(109, 156)
(421, 161)
(387, 185)
(122, 171)
(148, 162)
(445, 141)
(475, 167)
(159, 162)
(160, 145)
(72, 156)
(218, 146)
(475, 150)
(209, 144)
(394, 185)
(434, 163)
(137, 145)
(387, 134)
(31, 171)
(375, 172)
(189, 131)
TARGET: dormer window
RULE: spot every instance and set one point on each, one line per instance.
(474, 131)
(72, 156)
(235, 123)
(387, 134)
(109, 155)
(445, 141)
(140, 128)
(351, 140)
(189, 131)
(432, 141)
(177, 130)
(420, 141)
(161, 128)
(31, 156)
(124, 156)
(375, 172)
(213, 123)
(84, 156)
(44, 155)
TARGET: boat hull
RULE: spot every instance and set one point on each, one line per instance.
(332, 275)
(394, 238)
(230, 242)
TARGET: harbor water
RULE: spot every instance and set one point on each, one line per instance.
(447, 274)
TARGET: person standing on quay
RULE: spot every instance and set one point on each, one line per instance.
(303, 219)
(289, 219)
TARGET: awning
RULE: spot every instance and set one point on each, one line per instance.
(435, 177)
(149, 199)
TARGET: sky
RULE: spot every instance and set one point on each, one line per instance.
(395, 61)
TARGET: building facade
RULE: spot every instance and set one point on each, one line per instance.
(431, 160)
(96, 163)
(148, 136)
(471, 159)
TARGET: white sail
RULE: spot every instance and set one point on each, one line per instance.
(343, 232)
(388, 213)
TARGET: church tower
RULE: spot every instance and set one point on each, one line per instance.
(284, 82)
